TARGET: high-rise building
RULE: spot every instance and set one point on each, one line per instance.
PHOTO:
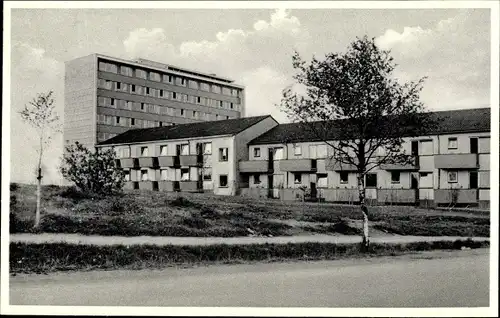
(106, 96)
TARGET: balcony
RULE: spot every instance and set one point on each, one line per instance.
(456, 161)
(169, 186)
(298, 165)
(168, 161)
(254, 166)
(412, 164)
(445, 196)
(130, 163)
(148, 162)
(332, 165)
(189, 160)
(190, 186)
(397, 195)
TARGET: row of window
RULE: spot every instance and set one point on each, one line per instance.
(164, 94)
(129, 122)
(143, 175)
(158, 109)
(181, 150)
(371, 178)
(101, 136)
(167, 78)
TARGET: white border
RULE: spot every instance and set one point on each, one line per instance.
(241, 311)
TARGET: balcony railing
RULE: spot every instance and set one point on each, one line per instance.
(168, 161)
(456, 161)
(130, 163)
(450, 196)
(190, 160)
(169, 186)
(190, 186)
(254, 166)
(412, 164)
(298, 165)
(148, 162)
(332, 164)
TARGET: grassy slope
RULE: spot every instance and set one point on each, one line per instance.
(172, 214)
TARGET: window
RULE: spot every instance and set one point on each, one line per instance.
(207, 148)
(227, 117)
(452, 143)
(204, 87)
(154, 76)
(118, 120)
(322, 181)
(118, 86)
(297, 177)
(226, 91)
(144, 151)
(344, 177)
(256, 179)
(223, 154)
(395, 176)
(163, 150)
(127, 175)
(125, 152)
(168, 79)
(164, 174)
(232, 105)
(141, 74)
(182, 112)
(223, 181)
(256, 152)
(198, 99)
(185, 174)
(221, 103)
(234, 92)
(174, 95)
(193, 84)
(108, 67)
(147, 90)
(216, 89)
(132, 121)
(371, 180)
(132, 88)
(297, 150)
(144, 175)
(112, 102)
(321, 151)
(207, 174)
(142, 106)
(452, 177)
(127, 71)
(183, 149)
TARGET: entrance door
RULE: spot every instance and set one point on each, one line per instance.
(414, 186)
(270, 159)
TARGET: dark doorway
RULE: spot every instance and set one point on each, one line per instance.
(473, 184)
(473, 145)
(270, 186)
(314, 191)
(270, 160)
(414, 181)
(414, 148)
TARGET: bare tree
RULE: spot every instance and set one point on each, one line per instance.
(353, 103)
(40, 114)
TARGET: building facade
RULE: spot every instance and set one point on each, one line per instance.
(247, 156)
(450, 166)
(190, 158)
(106, 96)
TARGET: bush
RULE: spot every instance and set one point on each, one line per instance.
(75, 194)
(195, 221)
(16, 225)
(181, 202)
(93, 172)
(14, 186)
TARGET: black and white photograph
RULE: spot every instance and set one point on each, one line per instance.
(250, 158)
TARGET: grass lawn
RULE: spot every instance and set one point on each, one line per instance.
(174, 214)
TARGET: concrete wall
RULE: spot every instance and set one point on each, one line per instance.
(80, 101)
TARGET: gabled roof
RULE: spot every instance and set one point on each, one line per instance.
(449, 122)
(182, 131)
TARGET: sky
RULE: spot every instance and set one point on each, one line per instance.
(451, 47)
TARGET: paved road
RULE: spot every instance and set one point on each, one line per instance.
(431, 279)
(162, 240)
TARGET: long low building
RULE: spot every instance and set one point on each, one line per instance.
(257, 157)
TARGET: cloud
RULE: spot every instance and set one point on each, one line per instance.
(450, 54)
(35, 72)
(259, 58)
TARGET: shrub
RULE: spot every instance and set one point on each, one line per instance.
(75, 194)
(94, 172)
(14, 186)
(196, 222)
(181, 202)
(16, 225)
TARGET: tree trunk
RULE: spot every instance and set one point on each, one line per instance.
(364, 211)
(38, 197)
